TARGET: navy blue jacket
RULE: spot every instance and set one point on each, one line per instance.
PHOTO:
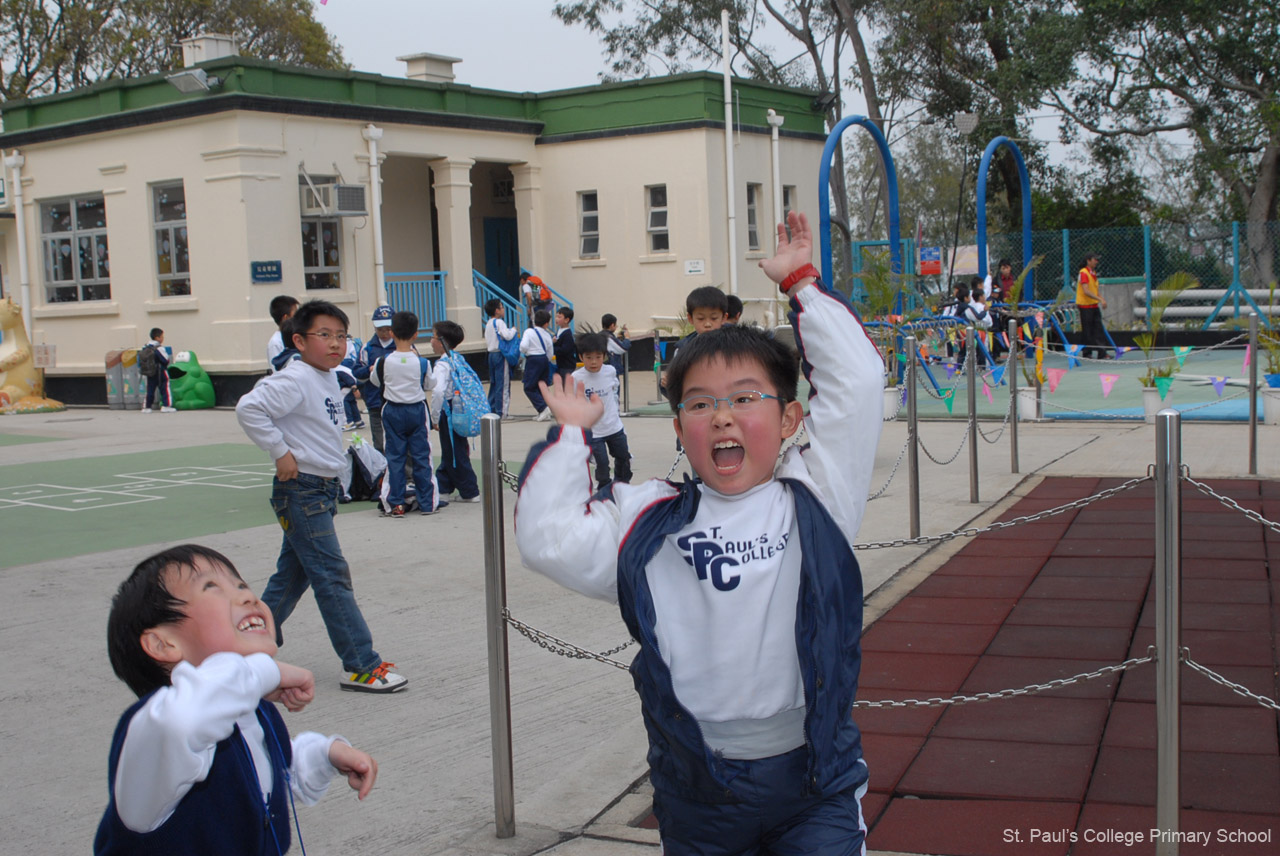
(223, 814)
(828, 634)
(372, 352)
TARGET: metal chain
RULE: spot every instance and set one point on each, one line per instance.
(930, 456)
(1229, 502)
(1005, 524)
(1003, 425)
(1056, 348)
(1241, 394)
(509, 478)
(675, 463)
(1030, 689)
(565, 649)
(892, 472)
(902, 401)
(1096, 413)
(1185, 656)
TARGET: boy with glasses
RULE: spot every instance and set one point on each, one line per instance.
(741, 586)
(295, 416)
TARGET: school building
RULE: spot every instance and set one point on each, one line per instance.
(187, 201)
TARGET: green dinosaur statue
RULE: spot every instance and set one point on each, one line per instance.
(190, 384)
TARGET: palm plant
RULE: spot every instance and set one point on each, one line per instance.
(1162, 296)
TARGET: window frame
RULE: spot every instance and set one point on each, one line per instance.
(327, 273)
(754, 192)
(175, 283)
(75, 236)
(655, 233)
(584, 234)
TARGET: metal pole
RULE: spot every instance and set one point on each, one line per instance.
(1011, 372)
(1168, 631)
(1253, 393)
(913, 449)
(495, 597)
(971, 372)
(626, 388)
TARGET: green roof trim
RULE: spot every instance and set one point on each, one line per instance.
(604, 109)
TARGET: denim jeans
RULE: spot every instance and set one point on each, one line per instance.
(311, 556)
(614, 445)
(499, 383)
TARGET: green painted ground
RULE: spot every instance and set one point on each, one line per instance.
(21, 439)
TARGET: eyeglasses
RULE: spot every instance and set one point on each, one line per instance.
(702, 406)
(326, 336)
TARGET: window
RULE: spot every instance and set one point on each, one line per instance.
(73, 233)
(321, 257)
(173, 262)
(588, 225)
(753, 216)
(788, 202)
(656, 218)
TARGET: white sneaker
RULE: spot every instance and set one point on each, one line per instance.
(544, 416)
(146, 410)
(475, 498)
(168, 410)
(380, 680)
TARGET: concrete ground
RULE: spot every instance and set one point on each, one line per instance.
(578, 740)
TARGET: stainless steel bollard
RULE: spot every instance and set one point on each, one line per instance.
(626, 388)
(913, 450)
(971, 372)
(1011, 372)
(1168, 623)
(495, 598)
(1253, 393)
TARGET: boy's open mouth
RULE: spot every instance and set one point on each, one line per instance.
(727, 455)
(253, 622)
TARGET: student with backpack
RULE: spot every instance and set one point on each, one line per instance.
(457, 403)
(153, 364)
(504, 355)
(538, 348)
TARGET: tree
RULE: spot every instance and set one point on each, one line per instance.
(49, 46)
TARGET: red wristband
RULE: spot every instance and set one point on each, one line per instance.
(797, 275)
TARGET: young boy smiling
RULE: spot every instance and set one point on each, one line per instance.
(202, 761)
(741, 586)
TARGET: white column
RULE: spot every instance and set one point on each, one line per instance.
(775, 122)
(372, 135)
(453, 214)
(528, 191)
(15, 163)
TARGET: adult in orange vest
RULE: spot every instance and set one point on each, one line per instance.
(1090, 302)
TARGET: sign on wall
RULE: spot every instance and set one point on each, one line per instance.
(266, 271)
(44, 356)
(695, 267)
(930, 261)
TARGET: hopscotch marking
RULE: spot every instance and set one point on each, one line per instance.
(136, 488)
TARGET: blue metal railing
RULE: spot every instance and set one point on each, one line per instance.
(517, 314)
(419, 292)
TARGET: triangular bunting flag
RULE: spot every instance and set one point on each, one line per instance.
(1163, 384)
(1073, 355)
(1108, 381)
(663, 350)
(997, 375)
(1218, 384)
(1121, 350)
(1181, 352)
(1026, 330)
(986, 390)
(1248, 352)
(949, 399)
(902, 358)
(902, 399)
(1040, 318)
(1055, 377)
(951, 370)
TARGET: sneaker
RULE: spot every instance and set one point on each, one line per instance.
(544, 416)
(146, 410)
(475, 498)
(350, 426)
(168, 410)
(380, 680)
(440, 506)
(396, 511)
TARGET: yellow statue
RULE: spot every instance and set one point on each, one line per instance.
(21, 383)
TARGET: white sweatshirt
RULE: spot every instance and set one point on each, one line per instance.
(275, 347)
(730, 647)
(603, 385)
(171, 740)
(404, 377)
(536, 341)
(298, 409)
(493, 328)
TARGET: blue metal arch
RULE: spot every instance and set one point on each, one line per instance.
(824, 197)
(1028, 289)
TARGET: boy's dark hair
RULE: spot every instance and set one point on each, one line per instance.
(607, 320)
(1086, 259)
(156, 331)
(404, 325)
(706, 297)
(733, 305)
(450, 333)
(592, 343)
(732, 343)
(491, 306)
(143, 602)
(308, 313)
(524, 275)
(962, 292)
(281, 306)
(1004, 263)
(975, 283)
(541, 318)
(566, 311)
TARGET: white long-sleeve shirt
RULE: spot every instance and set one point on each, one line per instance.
(536, 341)
(275, 347)
(730, 645)
(298, 409)
(604, 386)
(441, 381)
(171, 740)
(493, 328)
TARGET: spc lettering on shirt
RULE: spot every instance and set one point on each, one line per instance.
(710, 558)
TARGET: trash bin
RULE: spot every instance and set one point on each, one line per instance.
(125, 390)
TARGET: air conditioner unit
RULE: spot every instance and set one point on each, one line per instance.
(333, 200)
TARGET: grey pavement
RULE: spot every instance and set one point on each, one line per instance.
(579, 743)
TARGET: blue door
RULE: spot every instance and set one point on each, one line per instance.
(502, 253)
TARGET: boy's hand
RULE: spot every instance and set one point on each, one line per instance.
(792, 254)
(569, 403)
(297, 687)
(359, 767)
(286, 467)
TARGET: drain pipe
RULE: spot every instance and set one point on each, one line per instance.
(729, 201)
(775, 122)
(372, 134)
(15, 163)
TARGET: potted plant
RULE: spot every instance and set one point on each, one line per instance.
(1269, 353)
(1028, 405)
(878, 301)
(1161, 297)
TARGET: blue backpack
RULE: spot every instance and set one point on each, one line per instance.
(510, 349)
(467, 402)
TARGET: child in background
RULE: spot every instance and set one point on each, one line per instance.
(159, 382)
(292, 415)
(401, 376)
(707, 309)
(199, 763)
(536, 344)
(496, 329)
(455, 469)
(347, 380)
(733, 309)
(566, 353)
(619, 344)
(282, 308)
(742, 587)
(600, 381)
(382, 343)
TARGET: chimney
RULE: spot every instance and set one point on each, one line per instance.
(430, 67)
(206, 46)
